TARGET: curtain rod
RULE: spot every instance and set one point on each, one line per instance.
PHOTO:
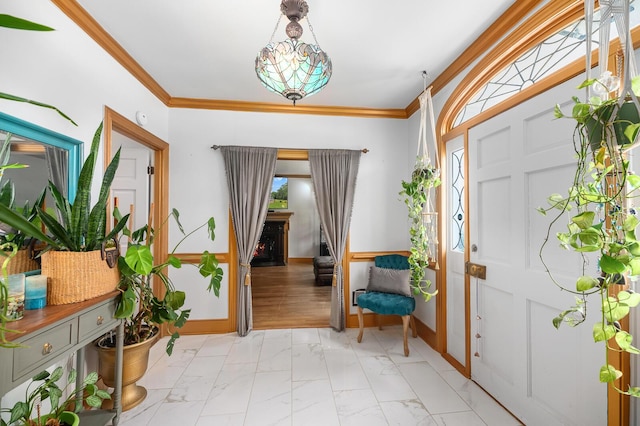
(364, 150)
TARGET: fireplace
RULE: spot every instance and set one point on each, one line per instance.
(273, 248)
(270, 248)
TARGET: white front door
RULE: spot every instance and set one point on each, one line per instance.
(456, 306)
(542, 375)
(131, 186)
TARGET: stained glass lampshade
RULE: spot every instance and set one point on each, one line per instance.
(292, 68)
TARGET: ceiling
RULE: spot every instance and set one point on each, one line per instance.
(205, 49)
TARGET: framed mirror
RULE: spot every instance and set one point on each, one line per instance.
(49, 155)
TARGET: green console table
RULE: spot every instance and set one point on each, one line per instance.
(52, 333)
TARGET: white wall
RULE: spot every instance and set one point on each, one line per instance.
(198, 182)
(304, 225)
(66, 68)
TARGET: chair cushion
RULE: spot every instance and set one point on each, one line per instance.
(387, 303)
(386, 280)
(392, 261)
(323, 262)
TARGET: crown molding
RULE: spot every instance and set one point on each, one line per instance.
(89, 25)
(212, 104)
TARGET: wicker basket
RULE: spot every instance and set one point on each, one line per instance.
(76, 276)
(22, 262)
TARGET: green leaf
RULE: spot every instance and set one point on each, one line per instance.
(610, 265)
(140, 259)
(19, 410)
(609, 374)
(585, 283)
(41, 376)
(57, 374)
(630, 223)
(634, 266)
(172, 342)
(93, 401)
(91, 379)
(624, 339)
(584, 220)
(629, 299)
(614, 311)
(175, 299)
(603, 332)
(633, 181)
(631, 132)
(633, 391)
(40, 104)
(16, 23)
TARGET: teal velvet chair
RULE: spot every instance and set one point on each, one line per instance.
(390, 302)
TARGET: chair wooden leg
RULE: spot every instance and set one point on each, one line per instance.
(360, 323)
(405, 330)
(413, 326)
(377, 317)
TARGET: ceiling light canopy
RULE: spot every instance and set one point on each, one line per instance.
(292, 68)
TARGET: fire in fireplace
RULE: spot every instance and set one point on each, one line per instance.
(270, 248)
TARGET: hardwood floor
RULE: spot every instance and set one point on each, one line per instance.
(287, 297)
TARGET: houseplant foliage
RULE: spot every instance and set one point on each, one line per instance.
(416, 193)
(28, 412)
(602, 223)
(10, 241)
(144, 311)
(79, 227)
(8, 21)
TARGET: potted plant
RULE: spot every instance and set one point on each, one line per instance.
(13, 22)
(24, 259)
(63, 410)
(602, 223)
(144, 311)
(80, 257)
(417, 195)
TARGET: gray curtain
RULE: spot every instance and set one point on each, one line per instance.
(58, 165)
(250, 173)
(334, 173)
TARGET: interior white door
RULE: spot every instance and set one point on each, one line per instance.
(455, 219)
(542, 375)
(131, 186)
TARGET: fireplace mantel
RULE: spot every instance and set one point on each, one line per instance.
(279, 216)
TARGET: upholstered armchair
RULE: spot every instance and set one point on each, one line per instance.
(389, 293)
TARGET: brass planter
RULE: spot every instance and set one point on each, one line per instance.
(136, 360)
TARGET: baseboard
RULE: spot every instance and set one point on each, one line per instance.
(306, 260)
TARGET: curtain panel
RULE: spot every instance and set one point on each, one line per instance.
(250, 172)
(333, 173)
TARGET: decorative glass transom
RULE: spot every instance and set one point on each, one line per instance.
(547, 57)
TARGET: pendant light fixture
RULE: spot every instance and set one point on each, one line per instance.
(292, 68)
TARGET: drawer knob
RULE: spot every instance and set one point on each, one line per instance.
(47, 348)
(100, 320)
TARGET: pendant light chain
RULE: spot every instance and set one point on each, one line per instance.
(273, 35)
(312, 32)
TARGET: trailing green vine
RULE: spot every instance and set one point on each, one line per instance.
(603, 222)
(416, 193)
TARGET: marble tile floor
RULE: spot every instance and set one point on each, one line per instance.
(308, 377)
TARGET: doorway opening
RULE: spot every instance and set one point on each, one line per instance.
(285, 292)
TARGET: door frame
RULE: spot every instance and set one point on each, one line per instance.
(159, 196)
(283, 154)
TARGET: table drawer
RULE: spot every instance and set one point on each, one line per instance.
(42, 348)
(99, 319)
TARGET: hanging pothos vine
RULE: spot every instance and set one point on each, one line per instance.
(423, 231)
(602, 219)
